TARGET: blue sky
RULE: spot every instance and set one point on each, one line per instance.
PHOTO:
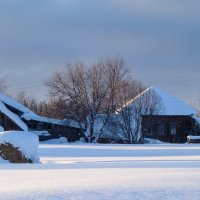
(159, 39)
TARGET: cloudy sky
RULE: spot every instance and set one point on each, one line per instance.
(159, 39)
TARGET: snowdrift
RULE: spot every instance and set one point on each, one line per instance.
(25, 142)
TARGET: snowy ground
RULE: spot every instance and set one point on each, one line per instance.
(81, 171)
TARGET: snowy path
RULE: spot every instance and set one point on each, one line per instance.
(106, 172)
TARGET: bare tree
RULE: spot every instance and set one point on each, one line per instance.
(22, 98)
(92, 94)
(147, 102)
(89, 88)
(28, 101)
(3, 86)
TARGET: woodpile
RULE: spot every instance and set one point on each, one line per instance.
(12, 154)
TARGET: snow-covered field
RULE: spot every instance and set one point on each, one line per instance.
(83, 171)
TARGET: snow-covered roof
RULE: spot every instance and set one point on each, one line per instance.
(13, 117)
(28, 115)
(35, 117)
(11, 102)
(171, 104)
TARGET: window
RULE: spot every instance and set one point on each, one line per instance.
(173, 129)
(161, 129)
(147, 131)
(49, 127)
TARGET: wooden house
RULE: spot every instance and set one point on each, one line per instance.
(172, 122)
(15, 116)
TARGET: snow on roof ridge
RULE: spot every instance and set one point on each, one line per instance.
(174, 105)
(13, 117)
(138, 96)
(11, 102)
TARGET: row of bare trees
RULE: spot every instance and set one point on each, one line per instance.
(53, 108)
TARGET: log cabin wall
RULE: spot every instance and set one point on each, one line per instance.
(7, 123)
(55, 130)
(173, 129)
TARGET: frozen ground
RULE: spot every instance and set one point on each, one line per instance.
(80, 171)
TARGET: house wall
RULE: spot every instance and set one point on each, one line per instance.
(7, 124)
(173, 129)
(55, 130)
